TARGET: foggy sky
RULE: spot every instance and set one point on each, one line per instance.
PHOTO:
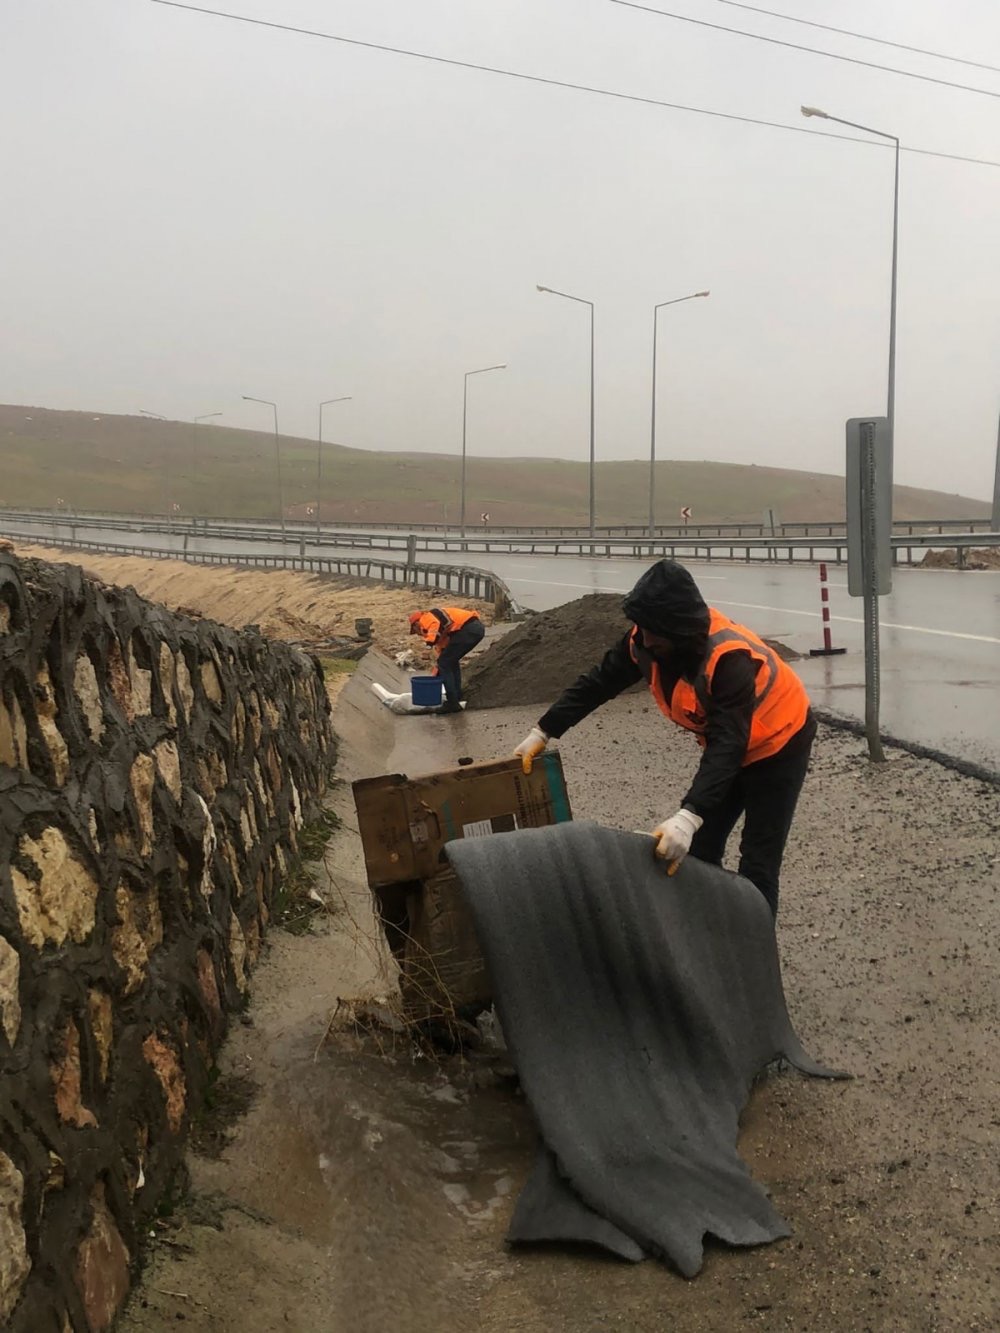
(195, 209)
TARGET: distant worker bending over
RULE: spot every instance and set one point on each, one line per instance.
(452, 632)
(748, 709)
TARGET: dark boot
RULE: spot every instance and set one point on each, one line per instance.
(450, 706)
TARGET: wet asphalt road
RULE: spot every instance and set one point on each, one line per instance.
(940, 662)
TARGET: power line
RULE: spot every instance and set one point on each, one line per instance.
(562, 83)
(861, 36)
(809, 50)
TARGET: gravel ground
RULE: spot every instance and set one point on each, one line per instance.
(366, 1191)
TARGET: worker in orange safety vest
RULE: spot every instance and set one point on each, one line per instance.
(747, 708)
(452, 631)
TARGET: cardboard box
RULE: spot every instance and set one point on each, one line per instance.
(405, 824)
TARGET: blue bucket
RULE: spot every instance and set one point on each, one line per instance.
(425, 691)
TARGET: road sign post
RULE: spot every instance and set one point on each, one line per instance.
(686, 514)
(869, 546)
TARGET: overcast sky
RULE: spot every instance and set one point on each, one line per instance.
(194, 209)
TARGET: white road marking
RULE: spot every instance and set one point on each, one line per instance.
(590, 587)
(857, 620)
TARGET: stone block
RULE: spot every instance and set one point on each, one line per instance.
(211, 683)
(102, 1026)
(65, 1073)
(45, 712)
(141, 682)
(10, 999)
(14, 1262)
(168, 764)
(101, 1268)
(13, 734)
(59, 902)
(118, 680)
(142, 778)
(165, 1064)
(88, 696)
(138, 933)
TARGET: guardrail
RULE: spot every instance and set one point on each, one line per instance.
(465, 580)
(807, 550)
(305, 528)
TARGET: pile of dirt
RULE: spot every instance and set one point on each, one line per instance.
(535, 662)
(986, 557)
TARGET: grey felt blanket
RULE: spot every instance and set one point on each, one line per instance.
(638, 1009)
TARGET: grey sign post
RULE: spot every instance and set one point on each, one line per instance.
(869, 545)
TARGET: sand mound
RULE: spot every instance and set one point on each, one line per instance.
(986, 557)
(535, 662)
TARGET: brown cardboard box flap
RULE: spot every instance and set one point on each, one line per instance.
(405, 822)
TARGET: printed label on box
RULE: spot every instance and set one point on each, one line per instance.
(483, 828)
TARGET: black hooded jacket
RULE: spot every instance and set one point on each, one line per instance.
(666, 601)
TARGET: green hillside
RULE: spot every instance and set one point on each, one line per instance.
(135, 464)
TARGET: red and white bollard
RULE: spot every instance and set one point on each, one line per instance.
(828, 649)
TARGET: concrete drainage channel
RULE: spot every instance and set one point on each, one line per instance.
(369, 1186)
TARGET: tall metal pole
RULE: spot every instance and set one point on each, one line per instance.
(995, 518)
(166, 475)
(205, 416)
(593, 475)
(319, 455)
(465, 413)
(869, 480)
(277, 455)
(582, 301)
(652, 410)
(891, 390)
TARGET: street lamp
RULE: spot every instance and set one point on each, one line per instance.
(166, 472)
(465, 406)
(205, 416)
(552, 292)
(319, 454)
(809, 111)
(871, 615)
(266, 402)
(652, 413)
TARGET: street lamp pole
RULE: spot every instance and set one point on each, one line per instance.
(465, 412)
(652, 412)
(552, 292)
(319, 454)
(277, 454)
(166, 473)
(890, 413)
(870, 595)
(205, 416)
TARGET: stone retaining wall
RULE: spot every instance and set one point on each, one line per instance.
(154, 771)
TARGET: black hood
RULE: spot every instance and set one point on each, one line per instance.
(666, 601)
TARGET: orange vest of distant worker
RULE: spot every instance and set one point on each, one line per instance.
(781, 704)
(435, 626)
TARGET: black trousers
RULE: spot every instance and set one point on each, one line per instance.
(461, 642)
(767, 792)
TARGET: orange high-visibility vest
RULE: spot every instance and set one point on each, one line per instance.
(435, 626)
(781, 704)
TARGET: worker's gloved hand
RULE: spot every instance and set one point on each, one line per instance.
(673, 837)
(531, 747)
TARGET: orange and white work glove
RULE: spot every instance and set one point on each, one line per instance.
(531, 747)
(673, 838)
